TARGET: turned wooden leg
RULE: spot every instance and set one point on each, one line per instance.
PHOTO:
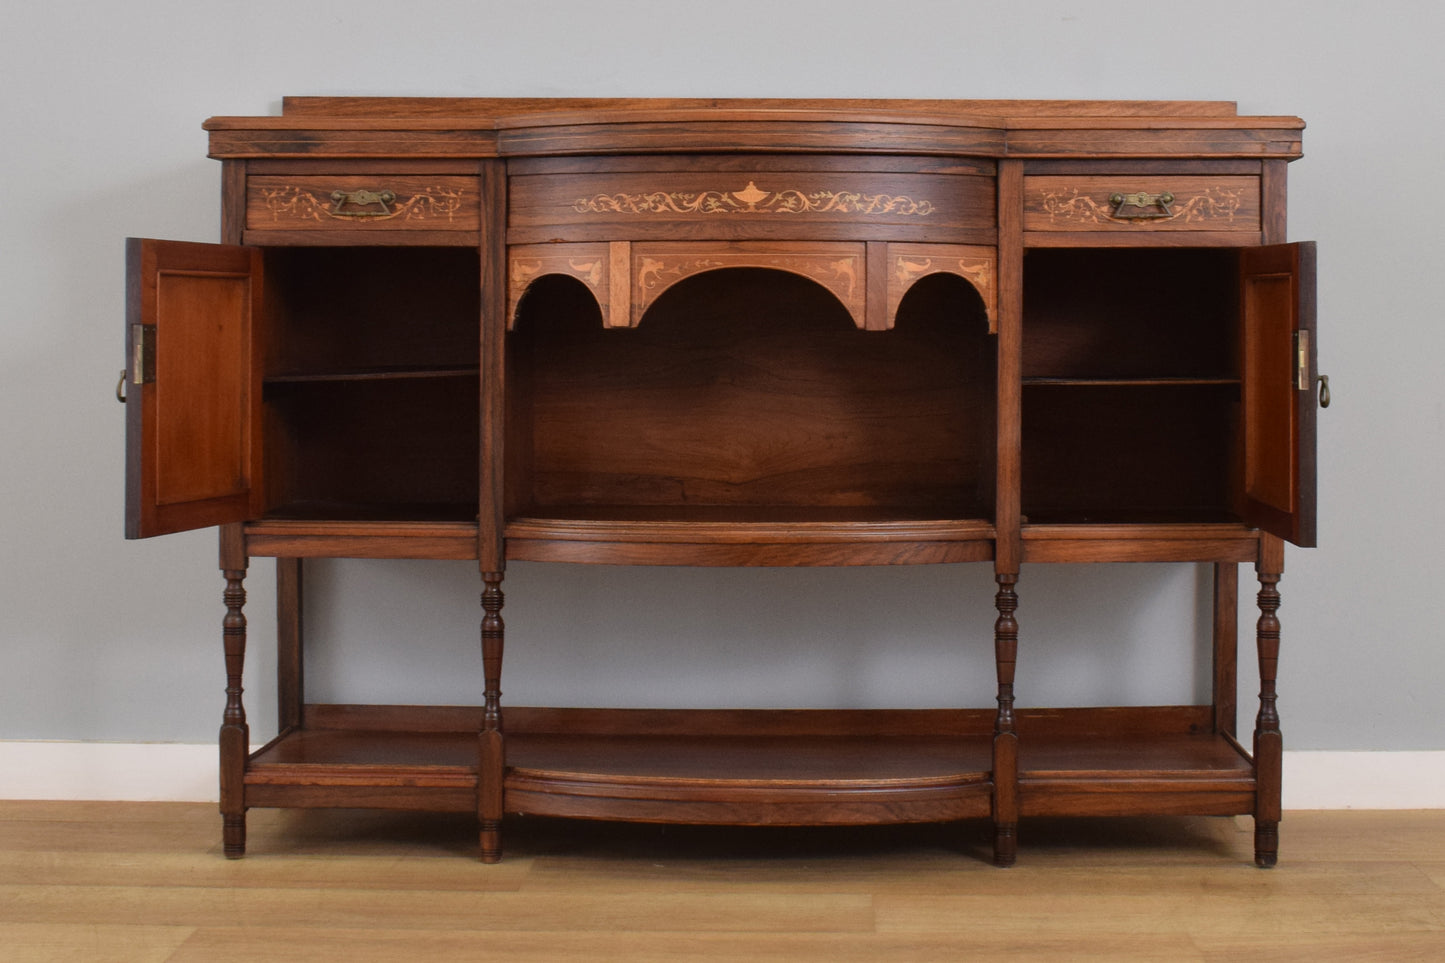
(1005, 739)
(235, 739)
(1268, 743)
(492, 758)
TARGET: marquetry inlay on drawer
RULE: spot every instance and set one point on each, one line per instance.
(739, 203)
(367, 202)
(1148, 202)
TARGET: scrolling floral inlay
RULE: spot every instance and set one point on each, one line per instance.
(297, 203)
(840, 273)
(977, 271)
(753, 200)
(522, 271)
(908, 263)
(1212, 204)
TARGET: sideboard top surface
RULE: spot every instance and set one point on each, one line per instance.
(504, 127)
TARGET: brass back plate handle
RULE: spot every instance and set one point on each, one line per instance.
(362, 203)
(1141, 205)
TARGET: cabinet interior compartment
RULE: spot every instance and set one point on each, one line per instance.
(1131, 385)
(371, 383)
(749, 395)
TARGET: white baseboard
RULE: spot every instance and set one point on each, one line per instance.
(134, 772)
(1364, 780)
(178, 772)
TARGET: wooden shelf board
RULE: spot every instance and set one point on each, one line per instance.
(707, 523)
(344, 531)
(1135, 775)
(375, 374)
(762, 762)
(746, 779)
(1132, 757)
(751, 780)
(370, 748)
(1181, 525)
(1155, 382)
(757, 767)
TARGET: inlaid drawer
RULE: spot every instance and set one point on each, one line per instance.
(370, 202)
(1147, 202)
(734, 202)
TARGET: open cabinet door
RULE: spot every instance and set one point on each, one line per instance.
(192, 393)
(1277, 301)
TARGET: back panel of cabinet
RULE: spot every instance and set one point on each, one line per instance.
(1131, 385)
(752, 392)
(372, 382)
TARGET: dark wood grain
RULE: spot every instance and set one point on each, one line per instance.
(808, 201)
(1008, 448)
(404, 202)
(760, 395)
(1278, 308)
(290, 643)
(193, 416)
(235, 736)
(494, 437)
(740, 332)
(501, 107)
(1226, 647)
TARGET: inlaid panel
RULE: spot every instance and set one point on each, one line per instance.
(362, 202)
(1141, 203)
(683, 204)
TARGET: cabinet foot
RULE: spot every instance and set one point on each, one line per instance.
(1266, 843)
(1005, 844)
(233, 836)
(491, 842)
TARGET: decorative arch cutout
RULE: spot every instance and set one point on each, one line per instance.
(592, 264)
(869, 278)
(841, 269)
(910, 263)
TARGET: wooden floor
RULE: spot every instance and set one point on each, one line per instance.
(145, 881)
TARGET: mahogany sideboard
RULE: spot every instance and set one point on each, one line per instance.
(738, 333)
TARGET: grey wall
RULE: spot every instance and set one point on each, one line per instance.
(100, 107)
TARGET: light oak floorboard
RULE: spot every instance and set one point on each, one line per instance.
(146, 882)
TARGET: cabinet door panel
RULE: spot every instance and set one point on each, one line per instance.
(192, 396)
(1277, 301)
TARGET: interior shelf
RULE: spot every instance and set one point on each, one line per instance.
(747, 535)
(741, 523)
(1041, 523)
(366, 512)
(393, 373)
(1156, 382)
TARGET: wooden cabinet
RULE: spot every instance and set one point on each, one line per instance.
(770, 333)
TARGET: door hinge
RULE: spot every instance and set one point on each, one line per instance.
(1302, 379)
(142, 354)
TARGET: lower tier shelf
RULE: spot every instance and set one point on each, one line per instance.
(757, 767)
(750, 780)
(1201, 774)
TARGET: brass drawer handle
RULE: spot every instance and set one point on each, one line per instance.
(1324, 381)
(1141, 205)
(362, 203)
(120, 388)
